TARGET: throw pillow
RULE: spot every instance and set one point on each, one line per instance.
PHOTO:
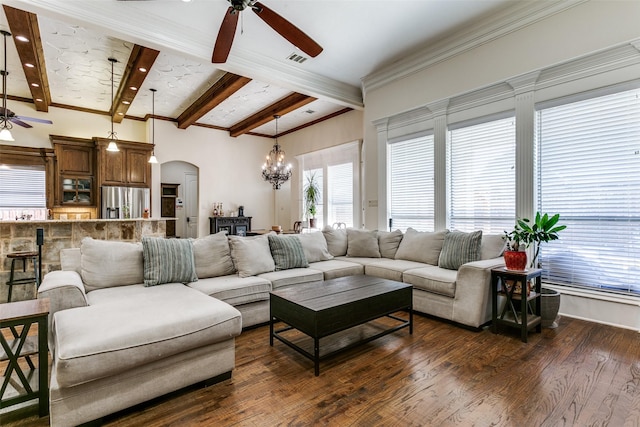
(460, 248)
(251, 255)
(362, 243)
(492, 246)
(106, 263)
(287, 252)
(212, 256)
(389, 241)
(168, 261)
(315, 247)
(421, 246)
(336, 240)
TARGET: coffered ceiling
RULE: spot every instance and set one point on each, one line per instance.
(70, 42)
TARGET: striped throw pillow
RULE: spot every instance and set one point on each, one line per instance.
(168, 261)
(460, 248)
(287, 252)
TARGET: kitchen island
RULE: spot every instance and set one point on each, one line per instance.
(65, 233)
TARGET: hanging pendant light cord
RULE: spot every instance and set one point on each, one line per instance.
(4, 81)
(111, 109)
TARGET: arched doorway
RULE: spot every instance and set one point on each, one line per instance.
(185, 174)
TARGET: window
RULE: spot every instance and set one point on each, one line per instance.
(481, 174)
(337, 171)
(23, 192)
(411, 187)
(589, 172)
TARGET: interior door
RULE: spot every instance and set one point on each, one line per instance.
(191, 204)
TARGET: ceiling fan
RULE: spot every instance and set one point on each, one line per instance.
(7, 117)
(283, 27)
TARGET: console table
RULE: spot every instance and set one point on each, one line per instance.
(18, 341)
(232, 224)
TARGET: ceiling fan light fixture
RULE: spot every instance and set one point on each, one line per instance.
(5, 135)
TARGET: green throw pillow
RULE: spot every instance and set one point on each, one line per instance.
(287, 252)
(168, 261)
(460, 248)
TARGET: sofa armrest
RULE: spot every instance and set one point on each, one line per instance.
(65, 290)
(472, 302)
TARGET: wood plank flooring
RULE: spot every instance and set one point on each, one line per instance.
(580, 374)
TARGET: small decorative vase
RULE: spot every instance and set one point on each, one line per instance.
(312, 223)
(515, 260)
(549, 307)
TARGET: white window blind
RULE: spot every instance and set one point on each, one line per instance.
(589, 172)
(411, 187)
(482, 176)
(340, 193)
(22, 187)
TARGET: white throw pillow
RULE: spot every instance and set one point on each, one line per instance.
(389, 242)
(109, 263)
(362, 243)
(315, 247)
(421, 246)
(336, 240)
(213, 256)
(251, 255)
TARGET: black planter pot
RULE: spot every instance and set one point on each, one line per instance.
(549, 306)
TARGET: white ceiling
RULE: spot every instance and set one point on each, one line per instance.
(358, 37)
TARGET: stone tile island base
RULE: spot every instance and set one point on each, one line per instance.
(61, 234)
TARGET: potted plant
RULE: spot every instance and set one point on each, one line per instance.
(311, 196)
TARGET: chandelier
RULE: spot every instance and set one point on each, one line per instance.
(274, 169)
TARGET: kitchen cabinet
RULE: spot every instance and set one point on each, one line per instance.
(75, 160)
(128, 167)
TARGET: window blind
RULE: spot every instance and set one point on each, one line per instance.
(482, 176)
(411, 187)
(340, 193)
(22, 187)
(589, 172)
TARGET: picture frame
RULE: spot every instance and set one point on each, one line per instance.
(226, 228)
(241, 230)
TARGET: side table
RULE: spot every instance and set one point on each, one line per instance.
(504, 282)
(16, 319)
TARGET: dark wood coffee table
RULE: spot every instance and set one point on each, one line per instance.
(324, 308)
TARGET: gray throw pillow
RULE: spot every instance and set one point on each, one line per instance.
(251, 255)
(336, 241)
(421, 246)
(168, 261)
(362, 243)
(108, 263)
(460, 248)
(213, 256)
(315, 247)
(389, 241)
(287, 252)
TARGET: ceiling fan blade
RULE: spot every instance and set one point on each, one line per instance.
(33, 119)
(20, 123)
(225, 36)
(287, 30)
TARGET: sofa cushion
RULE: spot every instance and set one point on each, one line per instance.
(251, 255)
(287, 252)
(389, 241)
(421, 246)
(234, 290)
(212, 256)
(492, 246)
(336, 240)
(432, 279)
(106, 263)
(168, 261)
(135, 325)
(315, 247)
(335, 268)
(71, 260)
(362, 243)
(294, 276)
(459, 248)
(391, 269)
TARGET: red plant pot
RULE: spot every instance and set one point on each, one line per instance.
(515, 260)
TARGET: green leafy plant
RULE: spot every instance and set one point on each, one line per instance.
(545, 228)
(311, 195)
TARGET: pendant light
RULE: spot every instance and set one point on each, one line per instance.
(5, 128)
(153, 158)
(113, 147)
(274, 169)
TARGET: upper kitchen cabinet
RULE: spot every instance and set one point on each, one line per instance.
(75, 160)
(127, 167)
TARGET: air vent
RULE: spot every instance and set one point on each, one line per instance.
(310, 111)
(297, 58)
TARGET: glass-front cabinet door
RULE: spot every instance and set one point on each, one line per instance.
(77, 191)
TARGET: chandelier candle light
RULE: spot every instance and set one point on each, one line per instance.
(274, 169)
(112, 135)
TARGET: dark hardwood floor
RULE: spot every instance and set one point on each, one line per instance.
(580, 374)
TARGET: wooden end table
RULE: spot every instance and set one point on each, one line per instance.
(503, 282)
(16, 319)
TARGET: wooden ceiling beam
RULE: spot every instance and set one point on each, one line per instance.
(140, 62)
(226, 86)
(25, 25)
(280, 108)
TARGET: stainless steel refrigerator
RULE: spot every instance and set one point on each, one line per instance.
(124, 202)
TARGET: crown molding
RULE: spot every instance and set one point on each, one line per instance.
(480, 32)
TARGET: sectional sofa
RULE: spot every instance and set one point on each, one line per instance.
(126, 317)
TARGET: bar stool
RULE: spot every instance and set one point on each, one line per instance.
(23, 256)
